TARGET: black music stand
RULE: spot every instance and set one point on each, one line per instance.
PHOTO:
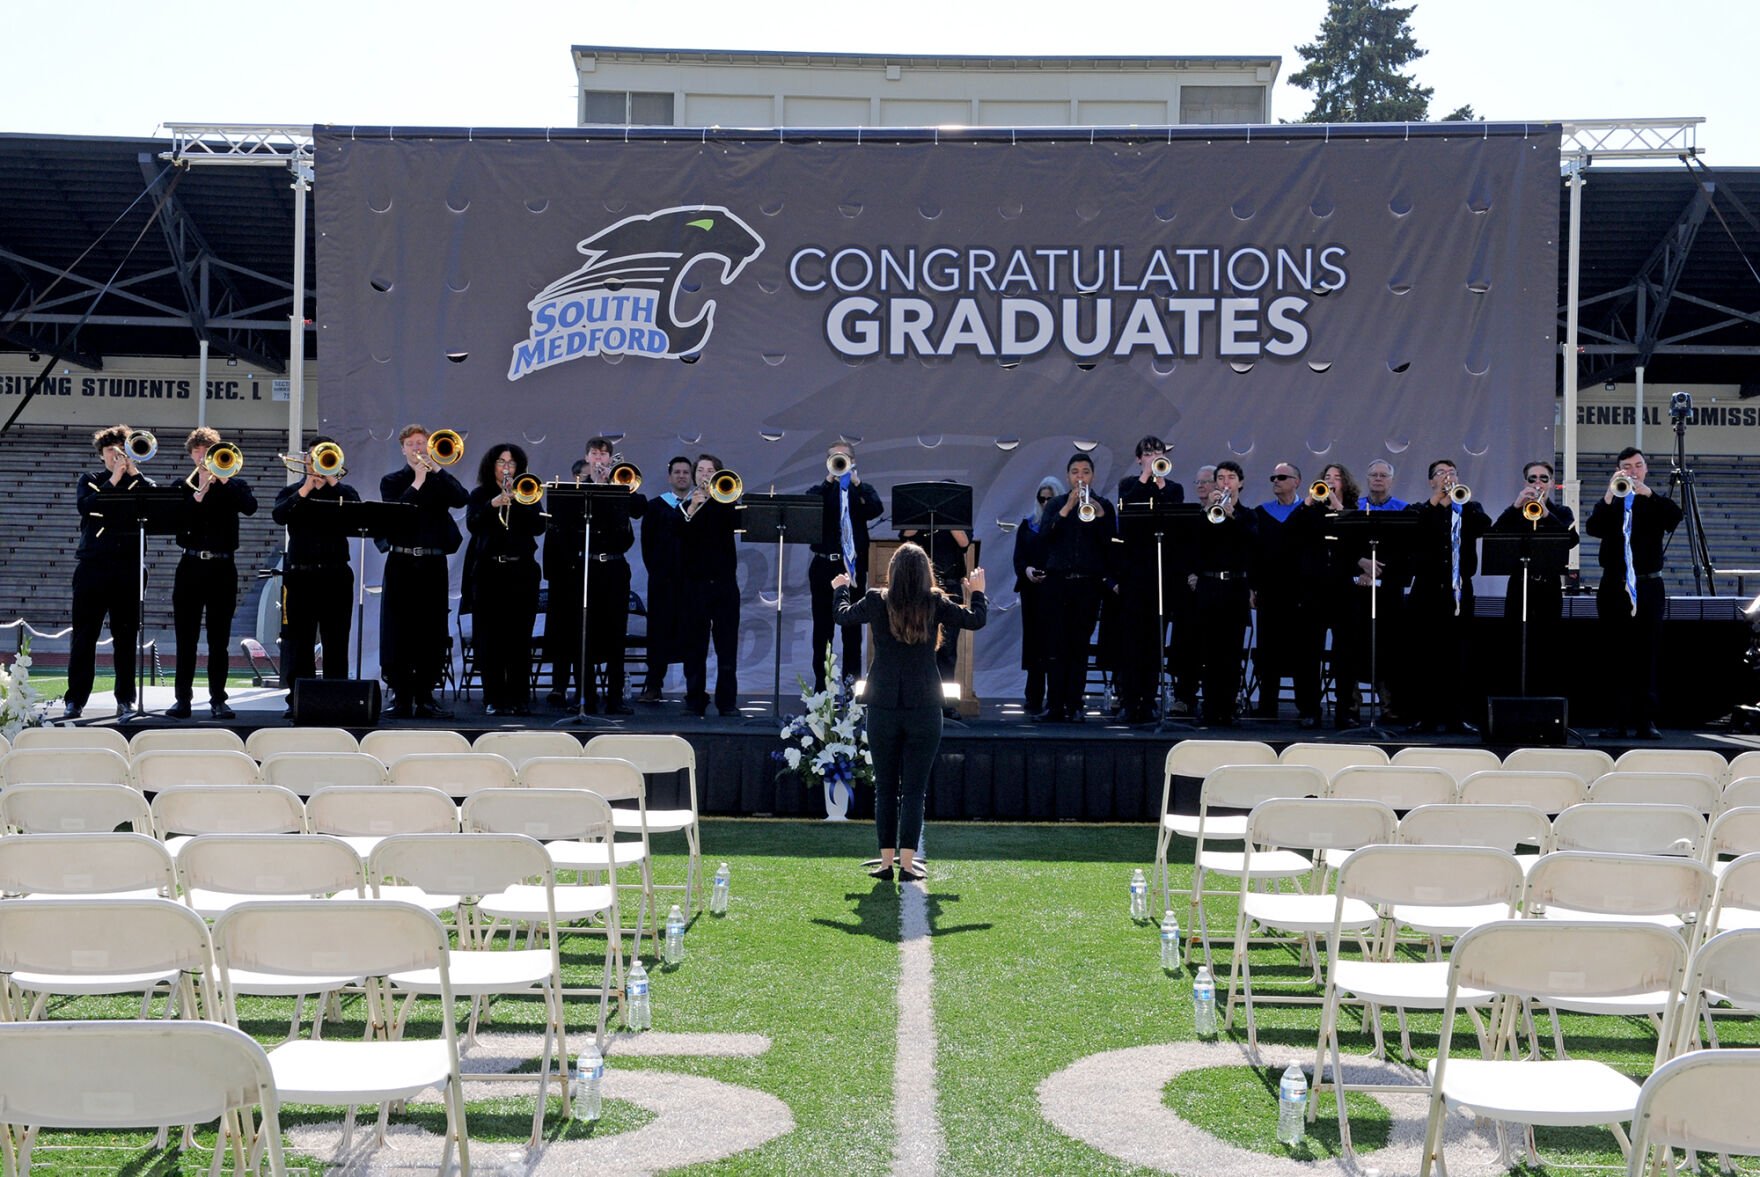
(1138, 522)
(780, 519)
(150, 510)
(586, 501)
(1517, 553)
(364, 520)
(1384, 535)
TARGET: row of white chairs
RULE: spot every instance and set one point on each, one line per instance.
(1588, 763)
(266, 742)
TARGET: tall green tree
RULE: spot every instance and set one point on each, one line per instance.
(1355, 67)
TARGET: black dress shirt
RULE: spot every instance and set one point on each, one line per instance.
(864, 504)
(212, 523)
(102, 532)
(431, 525)
(906, 675)
(1652, 517)
(311, 522)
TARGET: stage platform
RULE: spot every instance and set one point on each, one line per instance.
(997, 766)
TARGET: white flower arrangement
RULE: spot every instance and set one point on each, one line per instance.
(828, 743)
(21, 705)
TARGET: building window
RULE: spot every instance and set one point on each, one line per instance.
(1222, 104)
(622, 108)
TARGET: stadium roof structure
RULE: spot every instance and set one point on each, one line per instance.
(106, 249)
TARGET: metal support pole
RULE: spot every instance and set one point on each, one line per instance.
(296, 347)
(202, 385)
(1572, 488)
(1638, 430)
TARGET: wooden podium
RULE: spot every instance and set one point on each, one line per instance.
(879, 563)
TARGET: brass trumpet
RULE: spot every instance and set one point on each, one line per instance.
(141, 446)
(839, 464)
(325, 459)
(1161, 467)
(726, 487)
(1320, 492)
(1087, 512)
(1532, 510)
(1623, 485)
(1460, 493)
(626, 474)
(1217, 512)
(445, 447)
(224, 460)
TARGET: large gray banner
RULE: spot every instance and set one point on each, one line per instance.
(970, 309)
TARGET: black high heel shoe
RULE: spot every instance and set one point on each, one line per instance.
(883, 873)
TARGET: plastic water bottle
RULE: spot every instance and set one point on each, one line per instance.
(638, 1014)
(1292, 1105)
(1204, 1003)
(1170, 942)
(674, 936)
(1139, 896)
(718, 892)
(589, 1070)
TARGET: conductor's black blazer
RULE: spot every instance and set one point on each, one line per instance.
(905, 676)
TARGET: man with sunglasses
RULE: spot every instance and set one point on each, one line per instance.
(1280, 555)
(1545, 596)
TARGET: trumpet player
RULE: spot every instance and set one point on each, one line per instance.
(849, 505)
(1631, 520)
(1221, 560)
(500, 586)
(1079, 563)
(710, 564)
(1533, 510)
(414, 607)
(106, 578)
(317, 586)
(1444, 557)
(947, 556)
(607, 609)
(207, 579)
(1144, 608)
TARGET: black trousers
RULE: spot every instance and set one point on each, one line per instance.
(1437, 634)
(315, 602)
(1142, 643)
(1545, 609)
(412, 624)
(820, 573)
(1284, 649)
(665, 629)
(1633, 644)
(607, 628)
(1222, 611)
(1334, 610)
(1075, 608)
(502, 618)
(712, 613)
(210, 588)
(104, 585)
(1188, 652)
(904, 742)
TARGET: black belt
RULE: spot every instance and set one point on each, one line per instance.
(1077, 575)
(606, 557)
(310, 567)
(418, 551)
(509, 559)
(1649, 576)
(834, 557)
(197, 554)
(1225, 574)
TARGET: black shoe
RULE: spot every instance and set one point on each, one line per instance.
(1308, 723)
(1348, 720)
(178, 710)
(1462, 728)
(492, 709)
(429, 708)
(400, 708)
(556, 699)
(1647, 732)
(222, 711)
(1423, 727)
(649, 695)
(700, 710)
(911, 876)
(70, 711)
(619, 707)
(1617, 732)
(124, 712)
(883, 873)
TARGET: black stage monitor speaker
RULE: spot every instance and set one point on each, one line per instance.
(335, 702)
(1538, 720)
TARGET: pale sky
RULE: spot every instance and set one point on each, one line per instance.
(122, 67)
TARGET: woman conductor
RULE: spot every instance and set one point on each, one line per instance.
(904, 692)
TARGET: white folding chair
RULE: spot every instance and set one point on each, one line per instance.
(1736, 903)
(58, 738)
(370, 938)
(388, 745)
(1704, 1102)
(1704, 761)
(521, 746)
(616, 781)
(555, 815)
(307, 772)
(1551, 791)
(457, 774)
(485, 865)
(1695, 790)
(5, 747)
(269, 741)
(62, 765)
(183, 811)
(1743, 764)
(1586, 763)
(172, 739)
(1547, 961)
(107, 1076)
(102, 947)
(1502, 827)
(1329, 758)
(1241, 787)
(154, 771)
(1725, 968)
(73, 809)
(1277, 826)
(1400, 787)
(1628, 828)
(365, 815)
(1198, 759)
(1387, 879)
(105, 865)
(1742, 790)
(1459, 763)
(658, 755)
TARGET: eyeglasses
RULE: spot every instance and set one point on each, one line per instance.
(1283, 478)
(1539, 478)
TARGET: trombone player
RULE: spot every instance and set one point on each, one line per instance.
(849, 505)
(710, 564)
(207, 578)
(415, 606)
(106, 579)
(317, 586)
(501, 576)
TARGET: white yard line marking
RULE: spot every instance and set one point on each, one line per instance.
(918, 1146)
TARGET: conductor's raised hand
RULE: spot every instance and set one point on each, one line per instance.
(975, 581)
(841, 580)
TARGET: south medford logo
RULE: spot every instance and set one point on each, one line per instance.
(624, 300)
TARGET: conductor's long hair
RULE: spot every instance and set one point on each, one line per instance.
(911, 594)
(486, 468)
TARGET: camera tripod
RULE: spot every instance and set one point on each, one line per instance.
(1681, 490)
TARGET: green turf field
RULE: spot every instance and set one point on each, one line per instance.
(1036, 966)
